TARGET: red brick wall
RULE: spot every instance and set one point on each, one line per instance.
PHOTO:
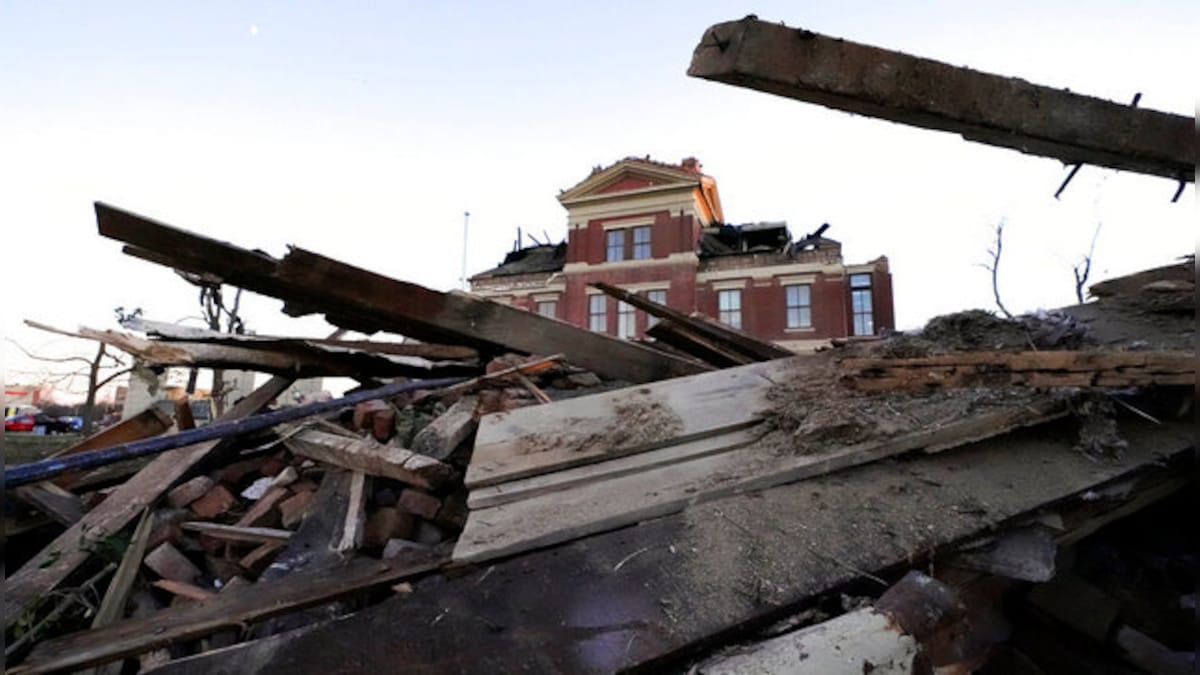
(670, 233)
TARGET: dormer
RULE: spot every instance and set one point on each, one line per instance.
(639, 208)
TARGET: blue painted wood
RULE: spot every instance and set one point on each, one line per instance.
(48, 468)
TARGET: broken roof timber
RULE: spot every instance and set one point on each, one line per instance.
(1002, 111)
(355, 298)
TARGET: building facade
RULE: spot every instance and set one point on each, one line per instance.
(658, 230)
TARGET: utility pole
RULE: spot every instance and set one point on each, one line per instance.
(466, 222)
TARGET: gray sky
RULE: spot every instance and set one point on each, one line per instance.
(363, 132)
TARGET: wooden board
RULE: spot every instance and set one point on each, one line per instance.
(368, 456)
(554, 481)
(600, 505)
(1029, 369)
(223, 611)
(640, 596)
(51, 566)
(589, 429)
(987, 108)
(355, 298)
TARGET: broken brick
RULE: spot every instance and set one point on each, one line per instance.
(292, 509)
(216, 501)
(387, 523)
(420, 504)
(383, 424)
(167, 562)
(365, 412)
(189, 492)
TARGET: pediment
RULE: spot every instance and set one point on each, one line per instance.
(628, 176)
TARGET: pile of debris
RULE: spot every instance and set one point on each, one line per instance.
(468, 476)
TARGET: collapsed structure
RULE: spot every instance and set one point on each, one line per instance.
(525, 494)
(657, 230)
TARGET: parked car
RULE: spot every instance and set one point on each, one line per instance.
(19, 423)
(38, 421)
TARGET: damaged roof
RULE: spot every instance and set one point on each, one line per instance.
(543, 258)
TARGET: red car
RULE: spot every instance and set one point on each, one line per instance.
(19, 423)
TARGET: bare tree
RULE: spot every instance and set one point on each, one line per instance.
(1084, 267)
(994, 267)
(92, 367)
(215, 311)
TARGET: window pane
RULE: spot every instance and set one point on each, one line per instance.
(860, 281)
(641, 243)
(616, 245)
(729, 307)
(548, 309)
(655, 296)
(799, 306)
(597, 315)
(625, 320)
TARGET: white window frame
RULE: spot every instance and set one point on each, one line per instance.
(547, 308)
(626, 320)
(658, 295)
(797, 314)
(729, 307)
(642, 249)
(598, 313)
(861, 305)
(614, 245)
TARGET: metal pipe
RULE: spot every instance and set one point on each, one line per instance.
(48, 468)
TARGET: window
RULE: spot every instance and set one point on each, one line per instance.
(655, 296)
(641, 242)
(799, 306)
(616, 245)
(729, 307)
(597, 313)
(860, 304)
(625, 321)
(548, 308)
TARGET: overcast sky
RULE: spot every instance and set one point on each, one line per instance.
(363, 131)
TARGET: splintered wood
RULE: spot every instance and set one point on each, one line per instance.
(1025, 369)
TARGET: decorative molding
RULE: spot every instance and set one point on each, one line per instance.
(733, 284)
(686, 257)
(626, 223)
(803, 346)
(768, 271)
(798, 280)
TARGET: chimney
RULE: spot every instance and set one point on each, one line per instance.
(690, 164)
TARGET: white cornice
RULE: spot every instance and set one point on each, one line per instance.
(686, 257)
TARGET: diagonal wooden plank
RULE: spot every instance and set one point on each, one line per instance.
(355, 298)
(722, 335)
(234, 610)
(992, 109)
(46, 570)
(602, 505)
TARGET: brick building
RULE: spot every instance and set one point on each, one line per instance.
(659, 230)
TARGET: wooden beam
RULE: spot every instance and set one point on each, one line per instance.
(696, 346)
(1027, 369)
(366, 455)
(724, 336)
(361, 300)
(992, 109)
(64, 507)
(433, 352)
(50, 567)
(625, 499)
(590, 429)
(252, 535)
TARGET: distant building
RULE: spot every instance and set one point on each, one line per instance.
(658, 230)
